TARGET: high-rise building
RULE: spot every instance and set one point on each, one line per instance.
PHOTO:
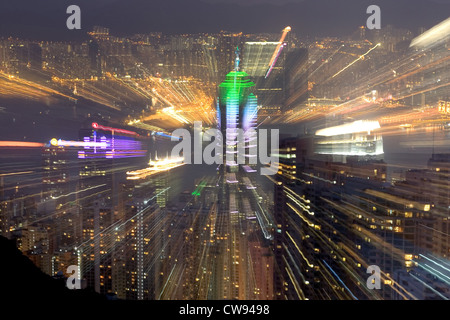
(279, 71)
(56, 174)
(315, 230)
(296, 78)
(334, 219)
(240, 214)
(269, 79)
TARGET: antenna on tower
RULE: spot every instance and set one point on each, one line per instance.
(237, 60)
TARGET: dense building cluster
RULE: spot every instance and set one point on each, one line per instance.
(87, 179)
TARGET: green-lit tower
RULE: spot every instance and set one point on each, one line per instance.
(236, 109)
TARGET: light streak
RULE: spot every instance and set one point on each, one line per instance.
(300, 251)
(21, 144)
(167, 281)
(433, 36)
(95, 125)
(141, 125)
(280, 42)
(360, 57)
(17, 86)
(275, 60)
(199, 188)
(294, 282)
(326, 61)
(111, 146)
(429, 287)
(79, 191)
(304, 207)
(353, 127)
(170, 111)
(66, 143)
(294, 263)
(162, 134)
(443, 277)
(301, 216)
(15, 173)
(335, 274)
(155, 167)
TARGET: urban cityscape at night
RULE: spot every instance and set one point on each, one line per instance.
(206, 156)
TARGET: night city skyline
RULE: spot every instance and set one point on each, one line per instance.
(36, 21)
(205, 150)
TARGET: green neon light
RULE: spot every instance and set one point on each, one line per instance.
(199, 189)
(237, 82)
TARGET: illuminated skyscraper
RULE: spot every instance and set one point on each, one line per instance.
(239, 211)
(279, 71)
(55, 173)
(269, 88)
(237, 109)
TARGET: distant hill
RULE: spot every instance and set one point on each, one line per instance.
(23, 282)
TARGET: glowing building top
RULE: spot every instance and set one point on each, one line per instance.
(236, 106)
(236, 82)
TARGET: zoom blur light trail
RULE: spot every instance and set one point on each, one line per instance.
(162, 134)
(434, 36)
(21, 144)
(95, 125)
(99, 143)
(277, 51)
(170, 111)
(353, 127)
(156, 166)
(275, 61)
(360, 57)
(79, 191)
(67, 143)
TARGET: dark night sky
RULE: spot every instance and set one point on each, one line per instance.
(46, 20)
